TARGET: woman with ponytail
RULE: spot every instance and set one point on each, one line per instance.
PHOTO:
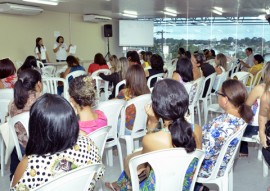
(232, 99)
(170, 104)
(27, 89)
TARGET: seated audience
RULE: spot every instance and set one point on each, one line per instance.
(183, 72)
(254, 101)
(147, 59)
(83, 97)
(135, 86)
(30, 62)
(73, 65)
(220, 68)
(8, 75)
(232, 99)
(54, 146)
(99, 63)
(26, 91)
(157, 64)
(113, 61)
(118, 75)
(170, 103)
(206, 68)
(133, 58)
(258, 65)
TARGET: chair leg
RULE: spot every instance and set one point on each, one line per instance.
(2, 155)
(109, 157)
(230, 182)
(120, 156)
(136, 144)
(265, 168)
(129, 144)
(259, 153)
(205, 110)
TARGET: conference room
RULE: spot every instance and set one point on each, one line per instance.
(158, 26)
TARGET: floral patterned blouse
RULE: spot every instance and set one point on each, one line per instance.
(215, 135)
(41, 169)
(13, 110)
(9, 82)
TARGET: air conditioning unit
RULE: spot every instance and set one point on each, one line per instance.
(17, 9)
(95, 18)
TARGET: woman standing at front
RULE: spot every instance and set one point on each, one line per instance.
(61, 49)
(41, 51)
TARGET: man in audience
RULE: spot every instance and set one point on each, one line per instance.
(248, 60)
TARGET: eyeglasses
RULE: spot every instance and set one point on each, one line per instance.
(221, 94)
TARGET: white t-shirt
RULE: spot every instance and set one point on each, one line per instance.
(42, 52)
(61, 54)
(248, 60)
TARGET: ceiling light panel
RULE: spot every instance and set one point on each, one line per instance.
(42, 2)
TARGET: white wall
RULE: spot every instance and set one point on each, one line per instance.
(18, 34)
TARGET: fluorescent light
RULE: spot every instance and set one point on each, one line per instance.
(170, 10)
(42, 2)
(129, 15)
(130, 12)
(217, 12)
(220, 9)
(168, 13)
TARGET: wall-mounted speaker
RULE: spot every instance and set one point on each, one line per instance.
(108, 30)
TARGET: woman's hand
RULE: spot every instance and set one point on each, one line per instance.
(263, 140)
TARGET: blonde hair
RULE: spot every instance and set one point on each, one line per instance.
(266, 76)
(122, 67)
(222, 61)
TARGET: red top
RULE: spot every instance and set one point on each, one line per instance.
(94, 67)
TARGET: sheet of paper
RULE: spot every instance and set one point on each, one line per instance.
(56, 34)
(72, 49)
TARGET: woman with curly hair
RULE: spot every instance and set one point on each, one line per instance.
(82, 96)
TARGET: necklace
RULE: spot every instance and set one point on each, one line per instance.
(165, 130)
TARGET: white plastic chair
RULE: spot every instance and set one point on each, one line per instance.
(207, 97)
(154, 77)
(75, 74)
(225, 182)
(214, 107)
(48, 71)
(139, 125)
(100, 83)
(50, 86)
(119, 84)
(254, 80)
(77, 179)
(40, 64)
(241, 76)
(112, 109)
(99, 137)
(170, 167)
(23, 118)
(194, 99)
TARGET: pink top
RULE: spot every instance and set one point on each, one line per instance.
(90, 126)
(9, 81)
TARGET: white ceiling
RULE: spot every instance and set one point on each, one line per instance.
(154, 8)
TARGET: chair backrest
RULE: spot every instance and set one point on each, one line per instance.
(210, 78)
(99, 137)
(233, 139)
(24, 119)
(111, 110)
(117, 87)
(195, 91)
(48, 71)
(170, 166)
(154, 77)
(104, 71)
(139, 124)
(77, 179)
(4, 110)
(6, 96)
(257, 78)
(40, 64)
(75, 74)
(241, 76)
(50, 86)
(221, 79)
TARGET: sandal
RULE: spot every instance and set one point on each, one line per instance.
(111, 187)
